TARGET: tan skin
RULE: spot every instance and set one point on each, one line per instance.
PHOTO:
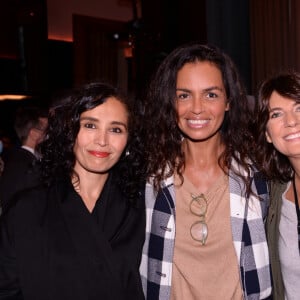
(283, 131)
(203, 172)
(100, 143)
(201, 107)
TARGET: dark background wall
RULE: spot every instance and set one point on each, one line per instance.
(228, 27)
(34, 61)
(48, 46)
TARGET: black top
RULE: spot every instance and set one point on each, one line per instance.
(52, 247)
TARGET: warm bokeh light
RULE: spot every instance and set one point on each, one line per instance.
(13, 97)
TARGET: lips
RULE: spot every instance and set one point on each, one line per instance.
(292, 136)
(99, 154)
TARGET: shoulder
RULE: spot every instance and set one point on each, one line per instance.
(18, 157)
(17, 152)
(251, 171)
(162, 199)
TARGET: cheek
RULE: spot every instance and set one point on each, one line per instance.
(83, 139)
(79, 144)
(181, 109)
(76, 148)
(220, 109)
(120, 145)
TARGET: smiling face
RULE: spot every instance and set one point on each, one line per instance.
(283, 127)
(102, 137)
(201, 100)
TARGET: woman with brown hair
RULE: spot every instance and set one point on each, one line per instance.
(278, 128)
(205, 201)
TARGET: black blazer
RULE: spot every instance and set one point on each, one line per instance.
(18, 174)
(51, 248)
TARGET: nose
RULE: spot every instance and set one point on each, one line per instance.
(101, 138)
(197, 105)
(291, 119)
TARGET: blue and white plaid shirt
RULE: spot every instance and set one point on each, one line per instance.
(247, 223)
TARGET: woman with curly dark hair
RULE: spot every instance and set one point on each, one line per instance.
(205, 201)
(278, 128)
(80, 234)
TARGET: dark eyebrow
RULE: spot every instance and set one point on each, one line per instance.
(89, 119)
(280, 108)
(183, 90)
(212, 88)
(119, 123)
(274, 108)
(96, 120)
(209, 89)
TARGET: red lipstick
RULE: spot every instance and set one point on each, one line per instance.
(99, 154)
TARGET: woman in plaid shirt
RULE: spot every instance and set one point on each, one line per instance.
(206, 203)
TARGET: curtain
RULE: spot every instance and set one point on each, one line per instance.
(274, 31)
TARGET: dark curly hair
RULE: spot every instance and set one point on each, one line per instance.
(57, 155)
(163, 137)
(274, 164)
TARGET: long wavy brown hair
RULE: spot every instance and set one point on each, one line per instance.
(162, 137)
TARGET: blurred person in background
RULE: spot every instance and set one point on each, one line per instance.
(20, 171)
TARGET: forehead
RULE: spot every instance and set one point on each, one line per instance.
(203, 71)
(278, 100)
(112, 108)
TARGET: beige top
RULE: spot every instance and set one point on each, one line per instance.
(207, 271)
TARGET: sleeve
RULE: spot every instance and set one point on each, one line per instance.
(262, 189)
(9, 279)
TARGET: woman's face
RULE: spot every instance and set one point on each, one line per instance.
(102, 137)
(201, 100)
(283, 126)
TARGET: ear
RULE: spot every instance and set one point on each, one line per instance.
(227, 106)
(269, 140)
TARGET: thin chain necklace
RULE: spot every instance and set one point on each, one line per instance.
(297, 211)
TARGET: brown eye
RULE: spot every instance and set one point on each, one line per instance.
(116, 130)
(89, 125)
(182, 96)
(212, 95)
(275, 115)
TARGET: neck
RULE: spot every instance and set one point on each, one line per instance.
(89, 187)
(29, 143)
(202, 155)
(202, 163)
